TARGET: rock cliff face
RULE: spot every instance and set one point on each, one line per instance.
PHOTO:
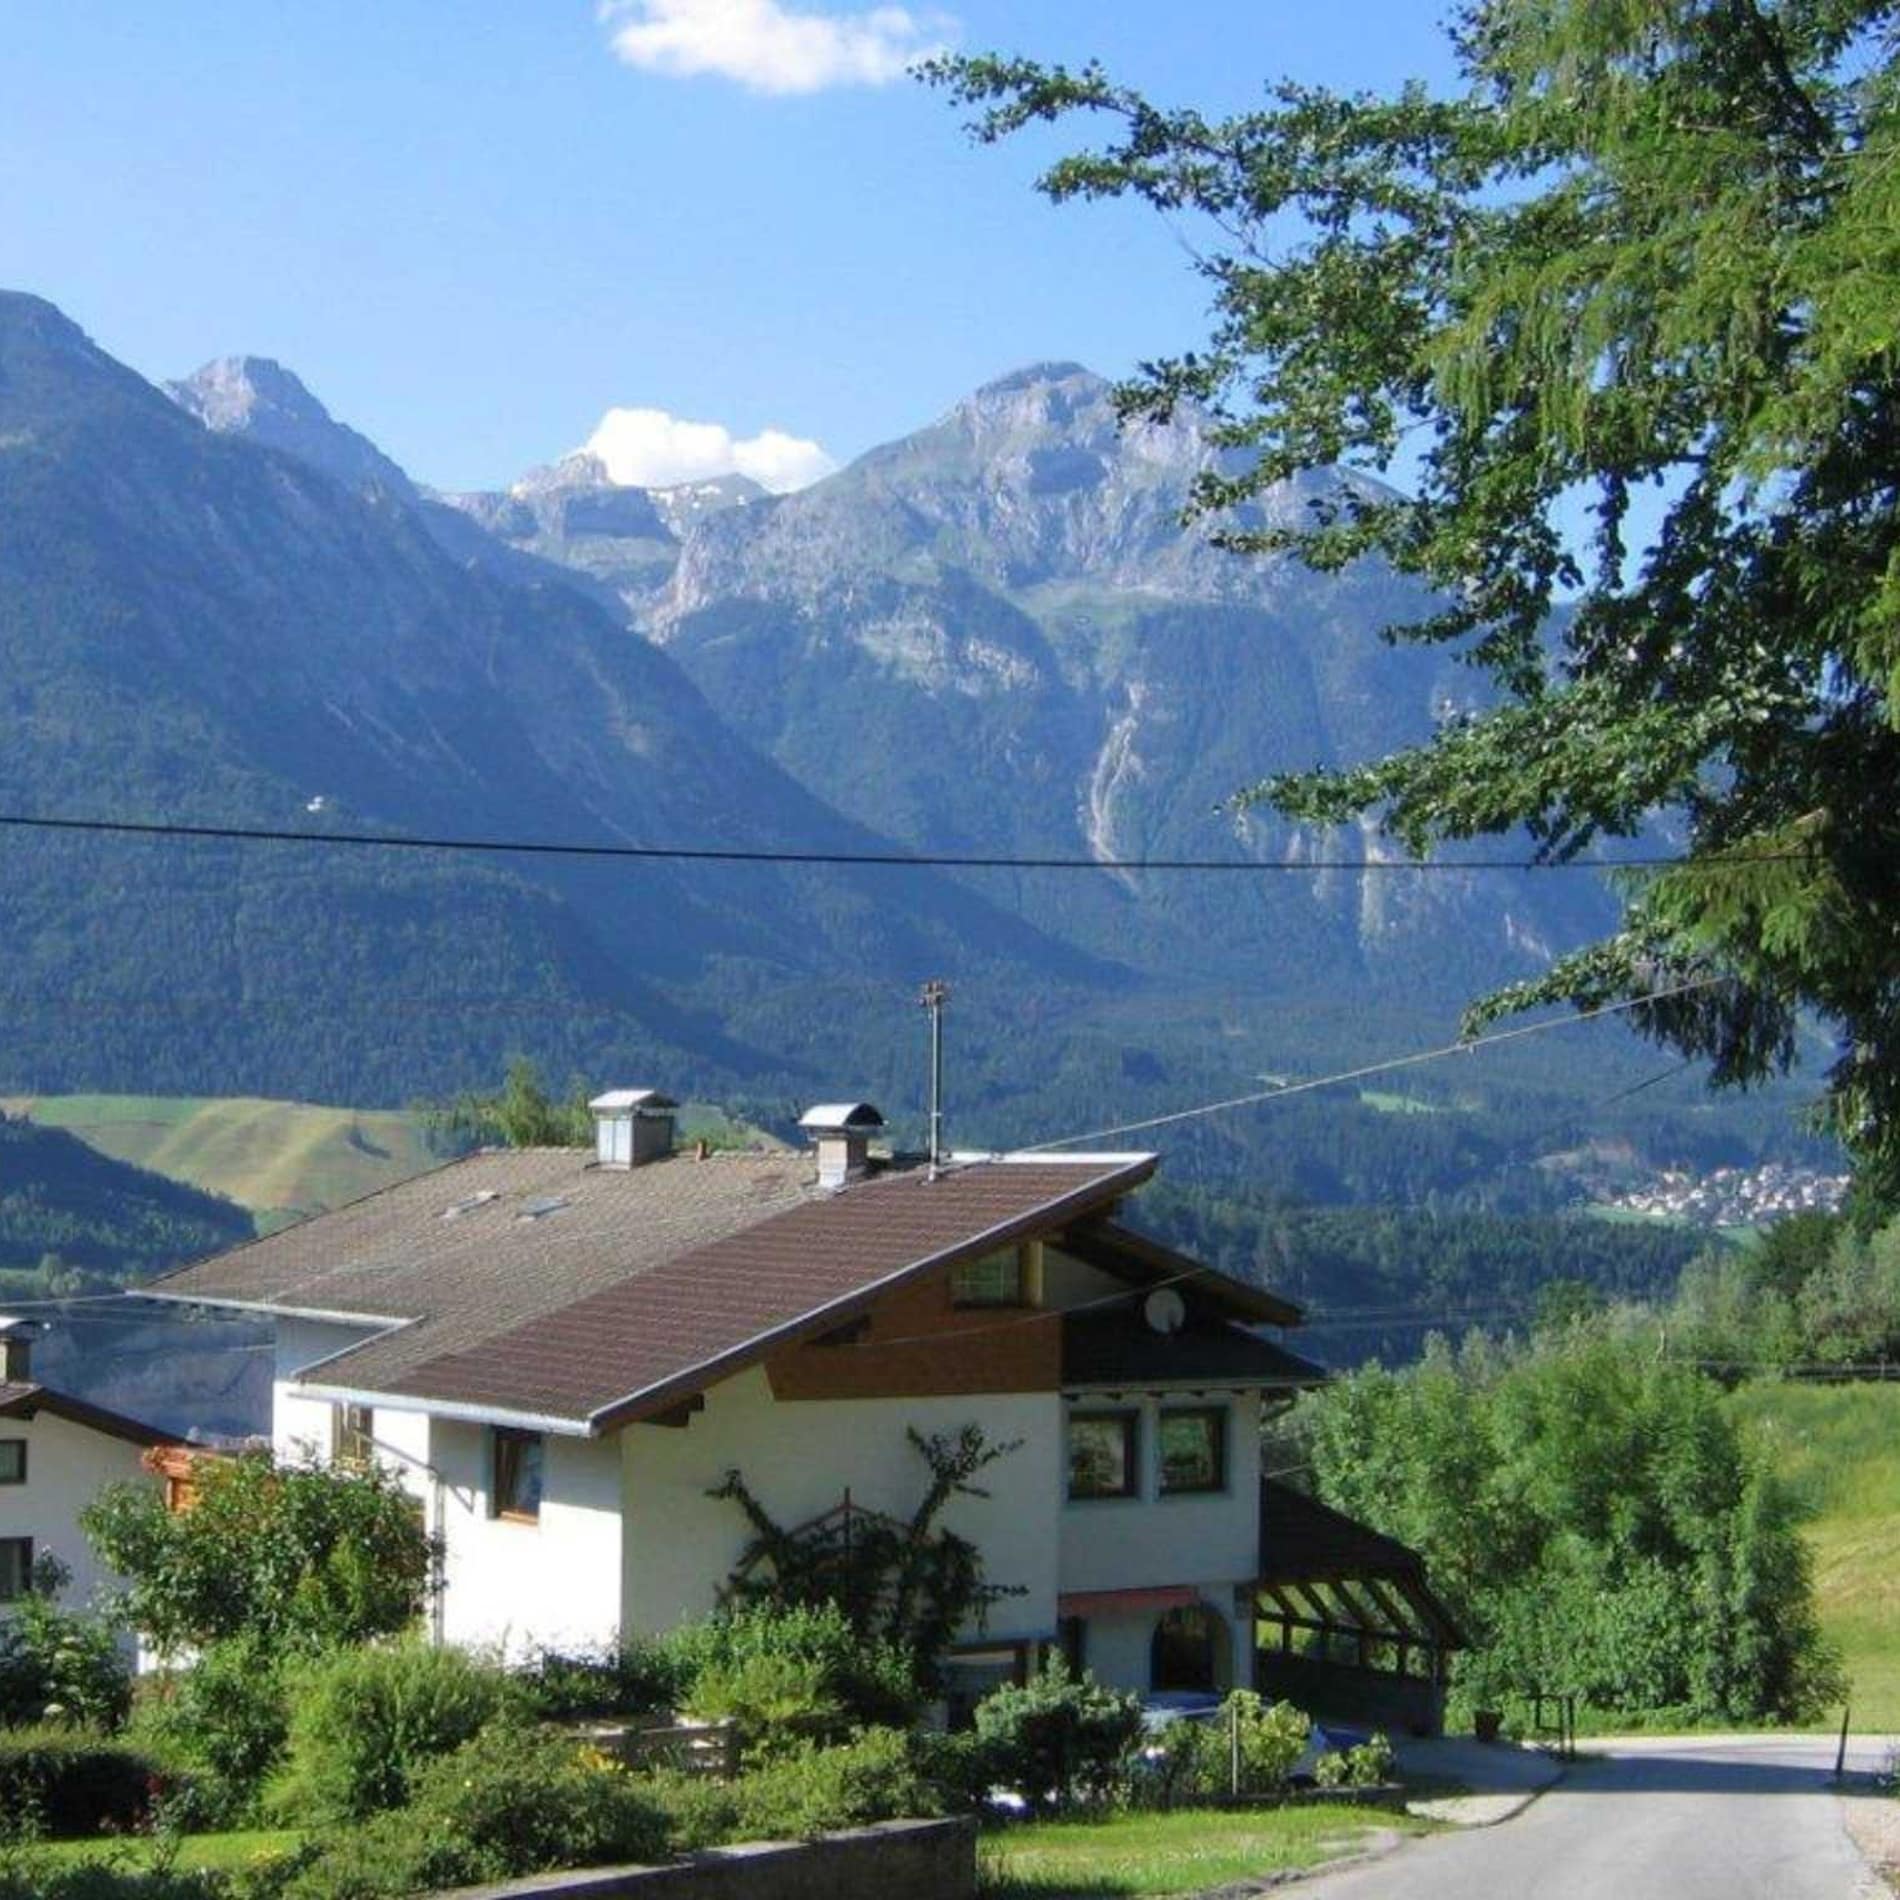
(254, 397)
(997, 635)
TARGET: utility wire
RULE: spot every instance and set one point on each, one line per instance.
(902, 860)
(1466, 1046)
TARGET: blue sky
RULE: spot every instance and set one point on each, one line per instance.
(474, 228)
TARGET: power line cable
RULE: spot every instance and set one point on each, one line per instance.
(899, 860)
(1466, 1046)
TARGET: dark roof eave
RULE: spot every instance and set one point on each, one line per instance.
(1104, 1242)
(27, 1400)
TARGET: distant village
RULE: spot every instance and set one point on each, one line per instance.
(1733, 1197)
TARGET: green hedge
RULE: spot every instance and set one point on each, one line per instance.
(74, 1781)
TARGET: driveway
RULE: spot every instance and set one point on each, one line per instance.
(1693, 1818)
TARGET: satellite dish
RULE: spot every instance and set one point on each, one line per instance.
(1164, 1310)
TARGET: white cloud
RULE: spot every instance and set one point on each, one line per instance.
(770, 47)
(647, 448)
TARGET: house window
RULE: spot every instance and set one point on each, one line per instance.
(1102, 1448)
(353, 1435)
(995, 1280)
(16, 1568)
(12, 1460)
(516, 1488)
(1194, 1450)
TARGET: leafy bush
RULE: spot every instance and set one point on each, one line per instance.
(700, 1810)
(1193, 1760)
(1273, 1736)
(1593, 1514)
(1058, 1736)
(60, 1665)
(523, 1799)
(817, 1790)
(956, 1769)
(226, 1719)
(366, 1720)
(636, 1677)
(880, 1775)
(27, 1875)
(512, 1800)
(72, 1781)
(379, 1859)
(786, 1676)
(296, 1557)
(1369, 1765)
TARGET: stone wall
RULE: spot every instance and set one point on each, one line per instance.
(897, 1860)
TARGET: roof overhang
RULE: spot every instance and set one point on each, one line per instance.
(274, 1309)
(379, 1400)
(1118, 1250)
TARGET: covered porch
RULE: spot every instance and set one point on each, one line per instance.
(1346, 1624)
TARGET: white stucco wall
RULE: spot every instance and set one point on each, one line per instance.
(514, 1586)
(629, 1539)
(1207, 1541)
(506, 1585)
(67, 1466)
(1213, 1537)
(300, 1427)
(797, 1458)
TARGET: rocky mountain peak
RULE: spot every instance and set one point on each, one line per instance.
(51, 372)
(259, 399)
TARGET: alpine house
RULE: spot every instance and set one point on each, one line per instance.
(567, 1353)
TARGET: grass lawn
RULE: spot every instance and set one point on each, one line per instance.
(1128, 1856)
(217, 1852)
(1839, 1445)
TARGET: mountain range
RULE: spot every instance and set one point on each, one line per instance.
(994, 637)
(997, 637)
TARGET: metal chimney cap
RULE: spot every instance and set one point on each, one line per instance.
(841, 1118)
(619, 1101)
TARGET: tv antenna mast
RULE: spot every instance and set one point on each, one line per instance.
(935, 994)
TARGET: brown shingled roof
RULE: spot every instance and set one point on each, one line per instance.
(641, 1288)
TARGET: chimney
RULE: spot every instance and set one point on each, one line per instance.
(632, 1127)
(16, 1350)
(841, 1133)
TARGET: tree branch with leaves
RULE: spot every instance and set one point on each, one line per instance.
(1641, 272)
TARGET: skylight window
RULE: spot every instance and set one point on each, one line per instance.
(539, 1210)
(456, 1209)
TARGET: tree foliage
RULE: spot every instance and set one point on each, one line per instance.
(519, 1114)
(1640, 273)
(1595, 1516)
(1814, 1294)
(297, 1557)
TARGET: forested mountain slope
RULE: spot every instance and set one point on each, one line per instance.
(66, 1209)
(196, 627)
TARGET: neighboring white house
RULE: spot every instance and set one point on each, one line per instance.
(565, 1353)
(57, 1453)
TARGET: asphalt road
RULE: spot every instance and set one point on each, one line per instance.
(1718, 1818)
